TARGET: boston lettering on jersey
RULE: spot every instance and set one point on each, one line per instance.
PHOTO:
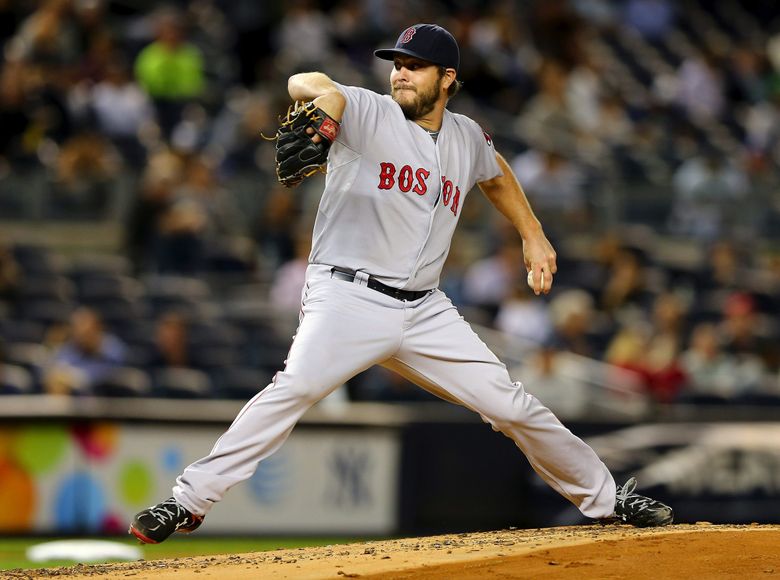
(409, 179)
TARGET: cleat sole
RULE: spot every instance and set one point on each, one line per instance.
(140, 537)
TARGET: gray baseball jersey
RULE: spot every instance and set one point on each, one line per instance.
(391, 202)
(395, 194)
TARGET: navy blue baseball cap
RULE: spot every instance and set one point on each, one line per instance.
(427, 42)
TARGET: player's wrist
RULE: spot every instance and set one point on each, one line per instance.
(332, 104)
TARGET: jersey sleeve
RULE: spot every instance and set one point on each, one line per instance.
(485, 163)
(362, 116)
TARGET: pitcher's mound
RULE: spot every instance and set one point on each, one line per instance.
(681, 551)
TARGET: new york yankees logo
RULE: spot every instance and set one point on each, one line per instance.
(408, 34)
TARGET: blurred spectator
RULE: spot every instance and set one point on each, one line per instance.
(701, 87)
(84, 177)
(634, 349)
(602, 13)
(748, 78)
(557, 30)
(50, 34)
(712, 371)
(171, 342)
(98, 42)
(181, 243)
(144, 223)
(10, 18)
(612, 125)
(122, 110)
(745, 332)
(726, 268)
(708, 192)
(201, 187)
(547, 377)
(303, 19)
(524, 316)
(170, 70)
(233, 138)
(253, 23)
(583, 93)
(15, 117)
(489, 281)
(625, 289)
(10, 275)
(651, 18)
(288, 282)
(194, 219)
(275, 228)
(664, 347)
(572, 314)
(353, 31)
(546, 117)
(86, 358)
(554, 186)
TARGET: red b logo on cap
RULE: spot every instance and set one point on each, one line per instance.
(408, 34)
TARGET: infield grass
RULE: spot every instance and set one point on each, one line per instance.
(13, 550)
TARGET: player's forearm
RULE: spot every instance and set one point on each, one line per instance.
(508, 197)
(321, 89)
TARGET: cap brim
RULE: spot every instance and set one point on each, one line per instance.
(389, 54)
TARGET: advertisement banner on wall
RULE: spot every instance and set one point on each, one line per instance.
(92, 478)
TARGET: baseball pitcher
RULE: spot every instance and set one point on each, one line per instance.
(399, 168)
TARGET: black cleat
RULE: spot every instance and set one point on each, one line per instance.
(638, 510)
(153, 525)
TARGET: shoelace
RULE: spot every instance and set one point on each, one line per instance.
(162, 513)
(627, 498)
(628, 488)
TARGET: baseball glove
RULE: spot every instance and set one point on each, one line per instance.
(297, 155)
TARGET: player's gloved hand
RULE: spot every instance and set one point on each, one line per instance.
(298, 153)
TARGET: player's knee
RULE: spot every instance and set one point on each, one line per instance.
(305, 387)
(513, 409)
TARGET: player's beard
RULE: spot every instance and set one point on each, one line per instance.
(423, 103)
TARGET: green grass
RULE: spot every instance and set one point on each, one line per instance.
(12, 550)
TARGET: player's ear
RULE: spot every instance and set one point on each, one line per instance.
(448, 78)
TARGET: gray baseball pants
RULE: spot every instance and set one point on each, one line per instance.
(346, 328)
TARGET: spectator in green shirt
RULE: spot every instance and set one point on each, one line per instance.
(170, 70)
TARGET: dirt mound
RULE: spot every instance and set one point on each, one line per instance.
(681, 551)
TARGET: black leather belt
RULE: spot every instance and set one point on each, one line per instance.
(374, 284)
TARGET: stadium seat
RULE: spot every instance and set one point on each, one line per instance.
(210, 358)
(47, 287)
(27, 354)
(94, 265)
(45, 312)
(124, 382)
(21, 330)
(37, 259)
(31, 356)
(215, 333)
(176, 286)
(16, 380)
(182, 383)
(102, 286)
(241, 382)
